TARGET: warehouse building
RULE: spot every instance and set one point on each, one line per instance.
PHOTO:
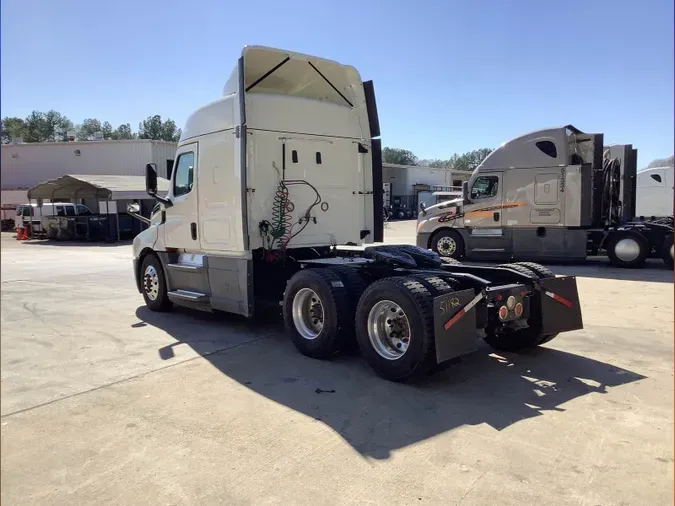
(26, 165)
(405, 186)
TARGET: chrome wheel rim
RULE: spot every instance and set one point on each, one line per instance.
(446, 246)
(151, 282)
(388, 330)
(627, 249)
(308, 315)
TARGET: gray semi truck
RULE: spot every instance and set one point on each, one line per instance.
(550, 195)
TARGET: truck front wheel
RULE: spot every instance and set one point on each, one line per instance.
(448, 243)
(395, 330)
(317, 312)
(153, 284)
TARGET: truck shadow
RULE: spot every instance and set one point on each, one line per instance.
(373, 415)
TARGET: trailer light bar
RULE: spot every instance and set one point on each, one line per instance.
(463, 311)
(560, 299)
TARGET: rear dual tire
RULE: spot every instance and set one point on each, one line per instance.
(391, 318)
(317, 312)
(395, 328)
(627, 248)
(667, 251)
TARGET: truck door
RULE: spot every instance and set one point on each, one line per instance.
(180, 228)
(483, 217)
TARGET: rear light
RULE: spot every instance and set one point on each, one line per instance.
(518, 309)
(511, 302)
(503, 313)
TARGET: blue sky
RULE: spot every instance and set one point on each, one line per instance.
(450, 75)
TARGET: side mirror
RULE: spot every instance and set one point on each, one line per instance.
(151, 184)
(151, 179)
(465, 192)
(133, 207)
(423, 209)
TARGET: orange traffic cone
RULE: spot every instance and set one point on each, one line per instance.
(24, 235)
(19, 233)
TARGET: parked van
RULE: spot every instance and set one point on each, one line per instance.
(23, 212)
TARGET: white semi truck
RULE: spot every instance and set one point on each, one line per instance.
(550, 195)
(270, 179)
(654, 193)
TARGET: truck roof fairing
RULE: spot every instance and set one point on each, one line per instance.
(276, 71)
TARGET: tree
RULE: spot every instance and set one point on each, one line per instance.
(398, 156)
(107, 130)
(466, 161)
(35, 127)
(662, 162)
(153, 128)
(123, 132)
(88, 128)
(12, 128)
(56, 126)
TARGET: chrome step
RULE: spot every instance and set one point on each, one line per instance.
(187, 295)
(185, 267)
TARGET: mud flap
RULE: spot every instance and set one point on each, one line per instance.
(560, 308)
(455, 324)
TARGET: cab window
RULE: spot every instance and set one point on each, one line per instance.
(485, 187)
(70, 210)
(184, 174)
(60, 211)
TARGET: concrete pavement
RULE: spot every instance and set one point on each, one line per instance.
(105, 402)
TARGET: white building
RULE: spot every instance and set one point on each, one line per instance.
(404, 178)
(25, 165)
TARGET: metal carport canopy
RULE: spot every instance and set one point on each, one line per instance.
(99, 187)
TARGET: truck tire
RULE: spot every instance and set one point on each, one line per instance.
(355, 284)
(541, 271)
(450, 261)
(521, 269)
(448, 243)
(627, 248)
(316, 312)
(667, 251)
(436, 286)
(395, 328)
(153, 284)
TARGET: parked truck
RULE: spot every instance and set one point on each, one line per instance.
(654, 193)
(271, 180)
(550, 195)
